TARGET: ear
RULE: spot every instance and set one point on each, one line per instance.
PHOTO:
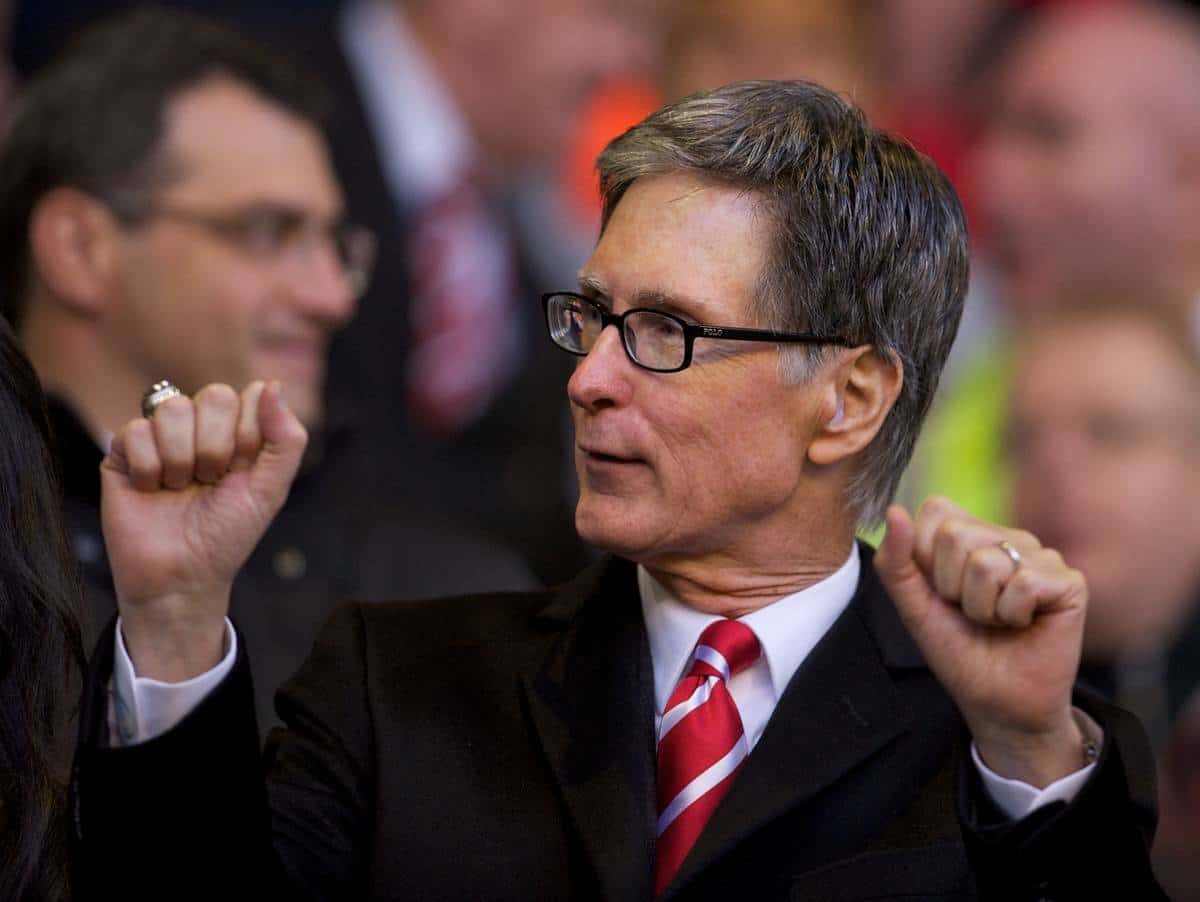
(74, 244)
(862, 389)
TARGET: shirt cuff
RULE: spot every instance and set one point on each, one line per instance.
(140, 709)
(1018, 799)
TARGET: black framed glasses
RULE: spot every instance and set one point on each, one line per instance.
(274, 232)
(654, 340)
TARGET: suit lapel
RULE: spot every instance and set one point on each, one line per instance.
(591, 703)
(839, 708)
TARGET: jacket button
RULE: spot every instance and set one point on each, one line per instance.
(289, 563)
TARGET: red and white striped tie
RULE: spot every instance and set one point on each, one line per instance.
(701, 743)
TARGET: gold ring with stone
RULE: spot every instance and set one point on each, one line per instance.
(158, 394)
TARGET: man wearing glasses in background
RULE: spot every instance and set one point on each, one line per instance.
(169, 211)
(740, 702)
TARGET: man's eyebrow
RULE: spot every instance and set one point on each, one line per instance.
(681, 303)
(589, 284)
(646, 297)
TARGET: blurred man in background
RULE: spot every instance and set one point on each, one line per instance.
(1091, 164)
(1104, 435)
(442, 107)
(168, 210)
(1088, 177)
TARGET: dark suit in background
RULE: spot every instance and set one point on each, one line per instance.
(334, 539)
(502, 747)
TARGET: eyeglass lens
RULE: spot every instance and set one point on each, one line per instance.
(651, 339)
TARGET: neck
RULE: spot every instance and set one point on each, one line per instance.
(72, 362)
(738, 581)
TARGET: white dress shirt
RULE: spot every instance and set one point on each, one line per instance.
(787, 631)
(141, 709)
(423, 140)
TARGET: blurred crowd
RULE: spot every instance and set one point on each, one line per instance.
(365, 200)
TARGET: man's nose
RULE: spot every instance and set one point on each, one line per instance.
(602, 378)
(322, 286)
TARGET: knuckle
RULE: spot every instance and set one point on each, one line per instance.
(1053, 559)
(980, 565)
(1023, 538)
(175, 409)
(945, 535)
(1024, 581)
(218, 398)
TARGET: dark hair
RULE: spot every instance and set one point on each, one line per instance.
(41, 649)
(870, 239)
(94, 119)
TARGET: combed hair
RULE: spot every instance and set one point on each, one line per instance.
(870, 240)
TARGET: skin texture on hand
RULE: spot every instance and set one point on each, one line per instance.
(1004, 640)
(185, 497)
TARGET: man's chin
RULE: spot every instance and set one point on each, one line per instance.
(609, 526)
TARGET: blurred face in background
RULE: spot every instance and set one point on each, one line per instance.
(714, 42)
(258, 298)
(1089, 167)
(1105, 444)
(522, 69)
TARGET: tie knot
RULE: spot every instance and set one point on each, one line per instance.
(725, 647)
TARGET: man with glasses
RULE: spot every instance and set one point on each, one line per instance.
(739, 701)
(169, 211)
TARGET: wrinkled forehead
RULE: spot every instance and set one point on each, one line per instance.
(682, 235)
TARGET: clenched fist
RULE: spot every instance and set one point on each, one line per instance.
(1004, 638)
(185, 497)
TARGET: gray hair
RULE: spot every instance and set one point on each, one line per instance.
(870, 239)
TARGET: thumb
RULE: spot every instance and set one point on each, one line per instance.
(284, 440)
(898, 569)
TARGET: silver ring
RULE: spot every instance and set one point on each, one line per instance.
(1013, 554)
(159, 394)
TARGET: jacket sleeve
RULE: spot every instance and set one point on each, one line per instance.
(189, 813)
(1095, 847)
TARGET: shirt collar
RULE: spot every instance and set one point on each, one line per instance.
(787, 629)
(424, 142)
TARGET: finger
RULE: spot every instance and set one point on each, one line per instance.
(249, 436)
(1042, 584)
(116, 459)
(174, 424)
(897, 566)
(217, 410)
(283, 441)
(953, 543)
(141, 454)
(930, 516)
(986, 572)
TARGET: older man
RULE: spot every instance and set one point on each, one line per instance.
(168, 209)
(730, 703)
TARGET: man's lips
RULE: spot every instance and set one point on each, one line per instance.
(601, 455)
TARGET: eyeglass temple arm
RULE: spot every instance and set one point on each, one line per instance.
(763, 335)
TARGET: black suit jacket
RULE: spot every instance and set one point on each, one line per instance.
(502, 747)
